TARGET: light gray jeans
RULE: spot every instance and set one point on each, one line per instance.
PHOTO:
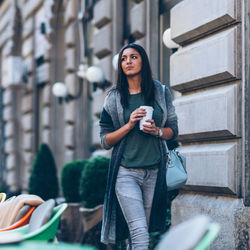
(135, 190)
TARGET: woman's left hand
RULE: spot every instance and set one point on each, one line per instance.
(151, 129)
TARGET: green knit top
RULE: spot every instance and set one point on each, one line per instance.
(141, 149)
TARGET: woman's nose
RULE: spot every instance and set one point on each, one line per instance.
(128, 60)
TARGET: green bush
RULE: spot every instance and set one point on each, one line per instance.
(93, 181)
(70, 180)
(43, 179)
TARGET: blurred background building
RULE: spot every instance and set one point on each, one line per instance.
(203, 56)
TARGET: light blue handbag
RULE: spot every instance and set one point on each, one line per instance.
(176, 174)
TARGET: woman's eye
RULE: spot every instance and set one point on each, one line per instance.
(123, 59)
(134, 57)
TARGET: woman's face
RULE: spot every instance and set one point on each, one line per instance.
(131, 62)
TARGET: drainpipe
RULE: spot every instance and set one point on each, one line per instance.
(125, 37)
(2, 143)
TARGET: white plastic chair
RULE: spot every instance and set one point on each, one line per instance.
(197, 233)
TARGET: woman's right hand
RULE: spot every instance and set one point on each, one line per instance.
(114, 137)
(135, 116)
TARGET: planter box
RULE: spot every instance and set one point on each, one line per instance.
(71, 226)
(91, 217)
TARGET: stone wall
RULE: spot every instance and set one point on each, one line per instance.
(107, 39)
(11, 96)
(32, 13)
(30, 110)
(207, 70)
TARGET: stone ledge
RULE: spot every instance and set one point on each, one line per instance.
(69, 112)
(26, 104)
(212, 167)
(28, 141)
(28, 24)
(209, 114)
(69, 155)
(43, 73)
(11, 162)
(27, 122)
(4, 40)
(27, 47)
(7, 97)
(46, 112)
(69, 133)
(9, 129)
(103, 41)
(46, 95)
(46, 135)
(6, 17)
(70, 10)
(206, 63)
(10, 146)
(28, 63)
(30, 7)
(7, 22)
(8, 114)
(72, 82)
(138, 20)
(28, 158)
(191, 19)
(69, 36)
(11, 180)
(98, 101)
(70, 64)
(106, 65)
(102, 13)
(8, 47)
(4, 6)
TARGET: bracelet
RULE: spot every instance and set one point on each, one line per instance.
(160, 133)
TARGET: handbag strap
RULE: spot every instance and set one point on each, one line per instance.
(181, 160)
(165, 143)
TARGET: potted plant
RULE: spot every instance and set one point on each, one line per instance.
(92, 189)
(71, 226)
(93, 182)
(70, 180)
(43, 178)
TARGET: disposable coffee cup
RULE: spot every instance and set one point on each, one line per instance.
(149, 114)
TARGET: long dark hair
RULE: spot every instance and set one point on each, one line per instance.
(147, 84)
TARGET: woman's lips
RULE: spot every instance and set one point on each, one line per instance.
(129, 67)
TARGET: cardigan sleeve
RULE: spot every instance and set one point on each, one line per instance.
(172, 121)
(106, 127)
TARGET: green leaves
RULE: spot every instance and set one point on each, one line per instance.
(70, 180)
(93, 181)
(43, 179)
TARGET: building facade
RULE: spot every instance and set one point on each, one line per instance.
(45, 41)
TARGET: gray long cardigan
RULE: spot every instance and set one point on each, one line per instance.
(114, 227)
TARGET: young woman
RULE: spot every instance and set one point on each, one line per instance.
(136, 195)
